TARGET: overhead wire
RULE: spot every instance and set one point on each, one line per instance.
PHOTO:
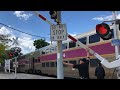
(21, 31)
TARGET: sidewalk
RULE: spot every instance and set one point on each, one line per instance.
(22, 76)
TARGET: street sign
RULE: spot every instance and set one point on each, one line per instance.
(115, 42)
(58, 32)
(15, 64)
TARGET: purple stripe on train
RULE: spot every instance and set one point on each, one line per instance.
(100, 49)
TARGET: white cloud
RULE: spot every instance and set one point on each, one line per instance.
(98, 18)
(73, 34)
(102, 18)
(5, 31)
(22, 15)
(25, 41)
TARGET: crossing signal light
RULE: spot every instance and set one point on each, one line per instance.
(10, 55)
(104, 31)
(53, 15)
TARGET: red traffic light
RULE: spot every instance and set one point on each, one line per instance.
(104, 31)
(10, 55)
(101, 29)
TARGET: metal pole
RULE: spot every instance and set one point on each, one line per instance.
(9, 65)
(59, 53)
(15, 67)
(116, 37)
(115, 33)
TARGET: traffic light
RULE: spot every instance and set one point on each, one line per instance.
(16, 54)
(10, 55)
(104, 31)
(53, 15)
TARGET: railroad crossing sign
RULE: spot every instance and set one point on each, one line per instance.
(15, 64)
(58, 32)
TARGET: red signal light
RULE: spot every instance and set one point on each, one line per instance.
(103, 30)
(10, 55)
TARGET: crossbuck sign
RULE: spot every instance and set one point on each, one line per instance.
(58, 32)
(15, 64)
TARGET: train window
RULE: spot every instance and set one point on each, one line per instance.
(52, 64)
(47, 50)
(47, 64)
(94, 62)
(52, 49)
(73, 62)
(94, 38)
(43, 52)
(83, 40)
(43, 64)
(38, 60)
(55, 48)
(72, 44)
(64, 46)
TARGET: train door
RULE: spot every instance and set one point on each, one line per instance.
(33, 63)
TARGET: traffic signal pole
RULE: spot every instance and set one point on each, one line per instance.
(60, 71)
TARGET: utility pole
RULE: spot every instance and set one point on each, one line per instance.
(60, 71)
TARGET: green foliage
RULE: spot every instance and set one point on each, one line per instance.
(40, 43)
(3, 53)
(4, 39)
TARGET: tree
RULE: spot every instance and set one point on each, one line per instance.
(4, 39)
(3, 52)
(40, 43)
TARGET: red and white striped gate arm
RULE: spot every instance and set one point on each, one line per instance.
(115, 63)
(43, 18)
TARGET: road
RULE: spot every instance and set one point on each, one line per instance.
(22, 76)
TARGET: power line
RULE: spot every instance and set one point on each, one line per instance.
(21, 31)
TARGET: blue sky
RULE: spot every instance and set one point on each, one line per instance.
(77, 22)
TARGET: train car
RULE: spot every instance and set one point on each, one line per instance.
(44, 59)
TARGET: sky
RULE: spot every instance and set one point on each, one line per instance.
(77, 22)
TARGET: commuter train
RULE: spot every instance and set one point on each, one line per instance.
(43, 61)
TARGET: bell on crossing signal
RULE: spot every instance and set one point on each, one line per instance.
(104, 31)
(53, 15)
